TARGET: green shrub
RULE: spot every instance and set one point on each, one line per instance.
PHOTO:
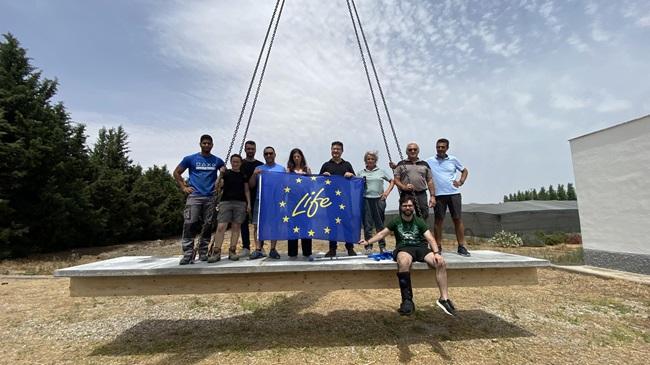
(551, 239)
(506, 239)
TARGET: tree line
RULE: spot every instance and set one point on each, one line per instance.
(559, 193)
(56, 192)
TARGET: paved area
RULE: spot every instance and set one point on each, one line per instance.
(607, 273)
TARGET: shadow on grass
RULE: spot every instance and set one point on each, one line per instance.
(281, 325)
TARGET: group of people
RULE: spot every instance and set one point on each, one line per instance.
(237, 187)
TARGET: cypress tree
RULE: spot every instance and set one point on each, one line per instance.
(571, 192)
(44, 165)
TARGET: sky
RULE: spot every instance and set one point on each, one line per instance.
(507, 82)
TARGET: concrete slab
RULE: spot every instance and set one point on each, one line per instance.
(154, 266)
(150, 275)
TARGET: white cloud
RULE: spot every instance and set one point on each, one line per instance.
(610, 104)
(576, 42)
(568, 102)
(471, 71)
(644, 22)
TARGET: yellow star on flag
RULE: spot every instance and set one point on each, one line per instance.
(287, 189)
(298, 180)
(338, 220)
(328, 181)
(313, 178)
(285, 219)
(311, 233)
(283, 204)
(341, 206)
(338, 193)
(327, 230)
(296, 229)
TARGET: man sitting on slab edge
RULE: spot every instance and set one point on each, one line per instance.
(414, 242)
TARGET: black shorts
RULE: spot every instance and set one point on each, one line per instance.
(417, 252)
(452, 201)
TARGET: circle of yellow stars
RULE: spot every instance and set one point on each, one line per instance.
(311, 232)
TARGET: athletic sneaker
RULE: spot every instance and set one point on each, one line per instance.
(185, 260)
(310, 258)
(274, 254)
(406, 308)
(245, 253)
(330, 253)
(351, 252)
(214, 258)
(463, 251)
(447, 306)
(257, 255)
(232, 256)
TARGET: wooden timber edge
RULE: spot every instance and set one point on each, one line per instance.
(97, 286)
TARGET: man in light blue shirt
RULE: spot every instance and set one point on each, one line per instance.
(445, 168)
(268, 166)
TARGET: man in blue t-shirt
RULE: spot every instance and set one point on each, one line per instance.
(253, 183)
(444, 168)
(197, 217)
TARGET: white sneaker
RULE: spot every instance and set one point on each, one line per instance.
(245, 253)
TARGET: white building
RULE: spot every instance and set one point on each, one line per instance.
(612, 172)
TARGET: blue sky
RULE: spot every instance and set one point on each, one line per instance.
(508, 82)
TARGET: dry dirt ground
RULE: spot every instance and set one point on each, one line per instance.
(566, 319)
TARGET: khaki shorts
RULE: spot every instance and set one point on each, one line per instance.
(232, 211)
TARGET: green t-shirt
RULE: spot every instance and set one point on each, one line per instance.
(408, 233)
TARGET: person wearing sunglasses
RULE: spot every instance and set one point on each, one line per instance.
(413, 177)
(268, 166)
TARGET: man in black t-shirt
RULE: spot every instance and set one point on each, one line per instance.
(234, 205)
(248, 166)
(411, 232)
(338, 166)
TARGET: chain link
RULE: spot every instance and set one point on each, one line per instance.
(259, 84)
(381, 91)
(372, 92)
(250, 85)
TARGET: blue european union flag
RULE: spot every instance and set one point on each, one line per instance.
(296, 206)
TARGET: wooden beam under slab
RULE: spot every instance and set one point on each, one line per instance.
(96, 286)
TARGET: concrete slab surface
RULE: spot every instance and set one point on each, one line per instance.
(155, 266)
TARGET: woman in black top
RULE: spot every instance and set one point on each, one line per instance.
(298, 165)
(235, 203)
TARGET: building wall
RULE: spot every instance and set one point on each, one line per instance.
(612, 173)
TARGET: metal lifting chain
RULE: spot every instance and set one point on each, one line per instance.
(381, 91)
(372, 92)
(250, 85)
(259, 84)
